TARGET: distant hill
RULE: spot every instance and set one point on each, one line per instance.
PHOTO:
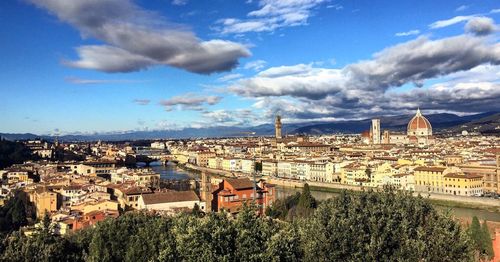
(484, 122)
(488, 124)
(440, 122)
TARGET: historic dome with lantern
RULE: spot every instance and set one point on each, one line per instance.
(419, 126)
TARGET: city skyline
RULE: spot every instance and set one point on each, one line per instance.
(152, 65)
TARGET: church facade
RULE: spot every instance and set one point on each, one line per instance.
(418, 132)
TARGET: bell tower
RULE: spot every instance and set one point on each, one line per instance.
(206, 191)
(277, 126)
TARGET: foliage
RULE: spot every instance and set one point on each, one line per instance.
(370, 226)
(295, 206)
(258, 166)
(382, 226)
(42, 245)
(481, 239)
(62, 155)
(488, 243)
(14, 153)
(306, 204)
(475, 233)
(16, 212)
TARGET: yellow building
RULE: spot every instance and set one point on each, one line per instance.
(100, 205)
(230, 164)
(181, 158)
(402, 161)
(16, 176)
(464, 184)
(381, 175)
(215, 163)
(45, 201)
(490, 174)
(429, 179)
(269, 167)
(448, 180)
(203, 157)
(354, 174)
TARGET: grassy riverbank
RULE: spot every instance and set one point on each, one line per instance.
(437, 202)
(456, 204)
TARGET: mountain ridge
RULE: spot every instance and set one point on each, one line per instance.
(441, 122)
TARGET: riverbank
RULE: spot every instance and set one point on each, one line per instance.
(492, 205)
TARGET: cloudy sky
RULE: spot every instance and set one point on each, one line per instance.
(85, 66)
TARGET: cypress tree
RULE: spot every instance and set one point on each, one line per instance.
(476, 235)
(487, 243)
(306, 200)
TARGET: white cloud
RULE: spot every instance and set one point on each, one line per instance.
(229, 77)
(408, 33)
(463, 64)
(237, 117)
(142, 102)
(179, 2)
(256, 65)
(410, 62)
(462, 8)
(273, 14)
(190, 101)
(451, 21)
(137, 39)
(480, 26)
(335, 6)
(81, 81)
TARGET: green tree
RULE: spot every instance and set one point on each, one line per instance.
(285, 245)
(152, 242)
(487, 242)
(477, 236)
(210, 238)
(14, 153)
(252, 234)
(306, 204)
(42, 245)
(306, 200)
(382, 226)
(16, 212)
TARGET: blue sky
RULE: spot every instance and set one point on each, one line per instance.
(111, 66)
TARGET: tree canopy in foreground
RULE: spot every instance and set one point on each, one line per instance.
(366, 226)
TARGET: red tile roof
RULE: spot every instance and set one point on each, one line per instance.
(170, 197)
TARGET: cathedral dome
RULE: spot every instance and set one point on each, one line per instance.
(419, 125)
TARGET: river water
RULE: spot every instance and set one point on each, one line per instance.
(173, 172)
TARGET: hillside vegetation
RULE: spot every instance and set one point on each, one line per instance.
(367, 226)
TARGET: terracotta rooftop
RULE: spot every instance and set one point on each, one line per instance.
(430, 169)
(170, 197)
(241, 183)
(465, 175)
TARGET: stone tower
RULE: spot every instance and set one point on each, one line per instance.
(277, 126)
(375, 132)
(206, 191)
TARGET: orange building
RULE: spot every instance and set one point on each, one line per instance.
(231, 194)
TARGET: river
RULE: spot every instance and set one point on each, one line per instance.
(173, 172)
